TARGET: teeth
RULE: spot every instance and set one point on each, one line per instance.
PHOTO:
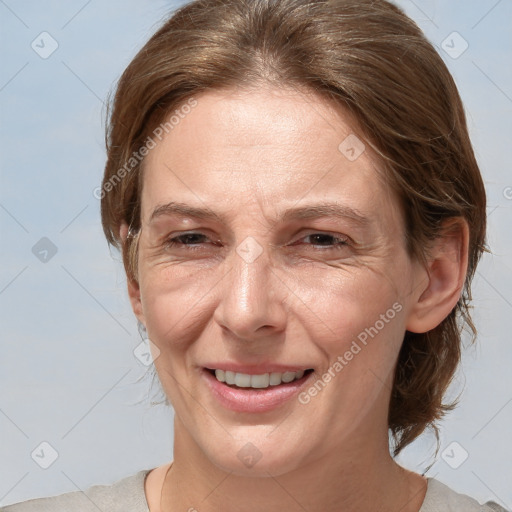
(243, 380)
(275, 379)
(288, 376)
(259, 381)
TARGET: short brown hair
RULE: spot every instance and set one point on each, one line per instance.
(367, 56)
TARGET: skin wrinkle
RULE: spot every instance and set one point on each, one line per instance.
(294, 303)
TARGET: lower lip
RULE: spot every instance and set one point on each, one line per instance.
(254, 400)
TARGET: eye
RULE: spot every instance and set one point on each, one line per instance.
(191, 240)
(325, 241)
(194, 240)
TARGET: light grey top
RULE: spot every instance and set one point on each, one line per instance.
(127, 495)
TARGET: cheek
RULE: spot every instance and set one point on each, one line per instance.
(173, 304)
(348, 304)
(358, 324)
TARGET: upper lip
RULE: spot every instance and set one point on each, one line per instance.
(256, 369)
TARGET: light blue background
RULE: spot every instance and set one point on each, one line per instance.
(68, 375)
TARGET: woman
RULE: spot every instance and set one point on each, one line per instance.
(300, 214)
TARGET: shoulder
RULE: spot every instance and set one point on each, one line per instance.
(125, 494)
(440, 498)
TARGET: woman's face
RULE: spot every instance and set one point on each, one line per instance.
(270, 245)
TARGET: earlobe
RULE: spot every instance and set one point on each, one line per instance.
(132, 284)
(446, 273)
(135, 300)
(123, 231)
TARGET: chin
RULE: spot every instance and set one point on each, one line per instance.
(256, 458)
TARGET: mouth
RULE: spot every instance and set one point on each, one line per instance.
(237, 380)
(255, 392)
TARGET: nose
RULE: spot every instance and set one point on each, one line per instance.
(253, 297)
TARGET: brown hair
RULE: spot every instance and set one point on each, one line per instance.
(367, 56)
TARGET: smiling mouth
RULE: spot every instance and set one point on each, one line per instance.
(265, 380)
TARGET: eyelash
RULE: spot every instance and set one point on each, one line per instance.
(339, 242)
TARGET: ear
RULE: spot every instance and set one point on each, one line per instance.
(445, 275)
(132, 284)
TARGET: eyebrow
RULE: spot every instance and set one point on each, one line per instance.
(312, 211)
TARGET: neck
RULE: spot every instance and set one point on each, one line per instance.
(360, 476)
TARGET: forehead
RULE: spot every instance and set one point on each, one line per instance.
(274, 147)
